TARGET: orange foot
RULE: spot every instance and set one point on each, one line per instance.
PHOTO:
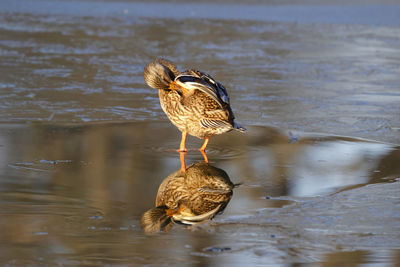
(203, 147)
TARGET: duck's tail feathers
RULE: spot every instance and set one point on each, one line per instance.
(159, 74)
(156, 220)
(239, 127)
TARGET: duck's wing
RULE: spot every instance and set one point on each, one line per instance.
(193, 79)
(215, 123)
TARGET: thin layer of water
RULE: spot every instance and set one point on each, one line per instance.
(83, 189)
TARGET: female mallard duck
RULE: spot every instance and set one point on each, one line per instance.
(190, 197)
(193, 101)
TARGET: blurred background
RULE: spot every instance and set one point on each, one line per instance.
(84, 143)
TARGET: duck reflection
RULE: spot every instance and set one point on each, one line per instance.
(189, 197)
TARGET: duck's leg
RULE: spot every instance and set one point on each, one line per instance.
(182, 158)
(182, 147)
(203, 147)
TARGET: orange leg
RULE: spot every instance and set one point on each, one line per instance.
(203, 147)
(183, 164)
(204, 155)
(182, 147)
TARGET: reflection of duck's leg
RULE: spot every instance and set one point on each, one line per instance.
(182, 147)
(204, 155)
(183, 164)
(203, 147)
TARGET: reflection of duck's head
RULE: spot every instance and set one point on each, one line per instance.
(190, 197)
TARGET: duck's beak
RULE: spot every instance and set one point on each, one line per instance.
(178, 87)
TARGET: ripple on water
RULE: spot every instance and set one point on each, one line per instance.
(22, 202)
(42, 165)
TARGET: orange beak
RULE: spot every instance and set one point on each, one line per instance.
(175, 86)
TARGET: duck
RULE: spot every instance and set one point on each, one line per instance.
(194, 102)
(189, 198)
